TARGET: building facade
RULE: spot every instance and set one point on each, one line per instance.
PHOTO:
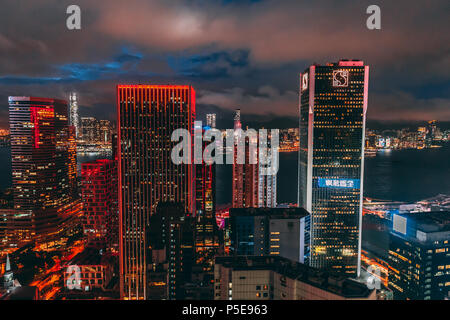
(245, 175)
(419, 256)
(147, 116)
(277, 278)
(206, 230)
(270, 231)
(211, 120)
(94, 271)
(100, 201)
(43, 152)
(90, 130)
(172, 246)
(333, 105)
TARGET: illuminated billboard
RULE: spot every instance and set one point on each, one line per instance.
(399, 224)
(339, 183)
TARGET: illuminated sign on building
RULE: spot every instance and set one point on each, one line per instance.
(338, 183)
(340, 78)
(304, 81)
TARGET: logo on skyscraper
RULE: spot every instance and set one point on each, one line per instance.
(340, 78)
(304, 81)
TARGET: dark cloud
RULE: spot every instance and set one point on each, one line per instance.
(243, 54)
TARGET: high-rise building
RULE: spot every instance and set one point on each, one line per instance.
(431, 132)
(72, 165)
(419, 256)
(171, 239)
(267, 179)
(43, 170)
(73, 115)
(147, 116)
(253, 184)
(333, 105)
(105, 131)
(90, 132)
(99, 195)
(206, 230)
(211, 120)
(245, 175)
(270, 231)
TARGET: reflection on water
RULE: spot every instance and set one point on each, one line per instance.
(402, 175)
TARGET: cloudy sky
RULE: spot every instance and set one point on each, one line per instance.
(245, 54)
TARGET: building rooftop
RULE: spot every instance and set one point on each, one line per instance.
(21, 293)
(272, 212)
(89, 256)
(428, 222)
(324, 280)
(422, 226)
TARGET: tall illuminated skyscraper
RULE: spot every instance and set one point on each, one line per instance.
(147, 116)
(333, 105)
(99, 194)
(245, 176)
(267, 183)
(252, 187)
(90, 130)
(43, 155)
(206, 230)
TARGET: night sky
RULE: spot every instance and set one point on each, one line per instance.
(237, 54)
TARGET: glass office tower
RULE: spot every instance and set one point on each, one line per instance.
(147, 116)
(43, 153)
(333, 105)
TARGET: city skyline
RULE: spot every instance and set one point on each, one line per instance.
(224, 150)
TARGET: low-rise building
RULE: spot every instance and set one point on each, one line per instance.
(278, 278)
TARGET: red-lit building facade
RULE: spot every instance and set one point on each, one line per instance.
(100, 211)
(147, 116)
(245, 176)
(43, 153)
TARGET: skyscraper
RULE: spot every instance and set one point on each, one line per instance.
(90, 130)
(333, 105)
(211, 120)
(267, 181)
(147, 116)
(73, 116)
(245, 176)
(105, 131)
(206, 230)
(253, 184)
(419, 257)
(171, 237)
(43, 168)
